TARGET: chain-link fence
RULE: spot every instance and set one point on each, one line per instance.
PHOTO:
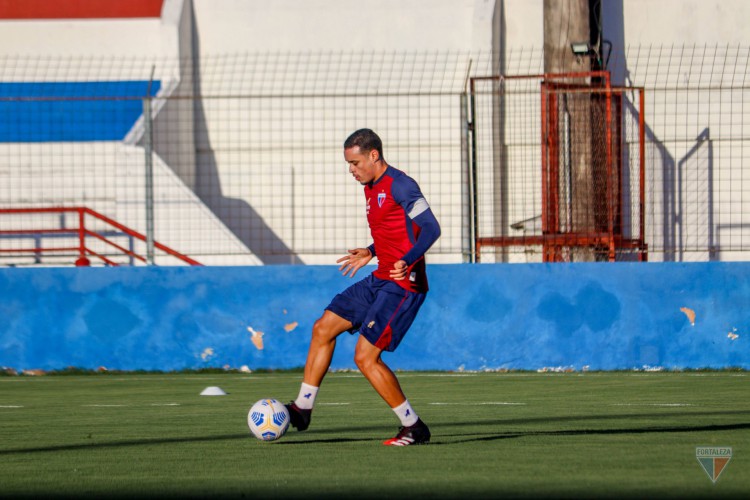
(237, 159)
(558, 164)
(697, 144)
(247, 164)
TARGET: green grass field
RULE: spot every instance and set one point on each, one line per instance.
(577, 435)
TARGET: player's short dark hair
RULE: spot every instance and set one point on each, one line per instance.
(366, 139)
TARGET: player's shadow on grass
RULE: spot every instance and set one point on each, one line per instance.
(476, 437)
(353, 434)
(316, 440)
(463, 437)
(124, 443)
(440, 435)
(121, 444)
(583, 418)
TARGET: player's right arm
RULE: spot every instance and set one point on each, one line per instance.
(354, 260)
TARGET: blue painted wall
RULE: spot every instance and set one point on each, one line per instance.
(70, 111)
(601, 316)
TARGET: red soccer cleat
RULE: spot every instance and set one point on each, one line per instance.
(418, 433)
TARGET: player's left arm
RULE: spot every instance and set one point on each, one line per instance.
(419, 211)
(429, 232)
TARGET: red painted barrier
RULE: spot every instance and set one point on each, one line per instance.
(79, 9)
(84, 252)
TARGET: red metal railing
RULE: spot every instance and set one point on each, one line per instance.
(553, 238)
(82, 232)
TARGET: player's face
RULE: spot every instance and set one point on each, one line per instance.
(364, 167)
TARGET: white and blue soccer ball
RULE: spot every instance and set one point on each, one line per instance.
(268, 419)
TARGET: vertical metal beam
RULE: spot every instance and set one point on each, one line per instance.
(82, 259)
(553, 188)
(148, 148)
(642, 172)
(501, 164)
(545, 161)
(467, 242)
(568, 167)
(474, 231)
(610, 177)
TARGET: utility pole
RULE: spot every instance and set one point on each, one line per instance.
(567, 23)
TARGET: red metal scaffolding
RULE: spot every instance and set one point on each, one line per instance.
(83, 250)
(584, 210)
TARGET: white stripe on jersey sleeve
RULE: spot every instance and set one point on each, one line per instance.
(419, 207)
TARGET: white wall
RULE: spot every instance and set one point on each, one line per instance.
(305, 47)
(227, 26)
(107, 177)
(692, 57)
(234, 37)
(684, 21)
(89, 37)
(91, 49)
(109, 38)
(670, 24)
(524, 23)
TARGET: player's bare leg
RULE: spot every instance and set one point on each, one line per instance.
(384, 381)
(322, 344)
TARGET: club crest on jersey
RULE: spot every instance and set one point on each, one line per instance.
(381, 199)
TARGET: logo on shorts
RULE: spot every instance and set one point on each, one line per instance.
(381, 199)
(371, 324)
(713, 459)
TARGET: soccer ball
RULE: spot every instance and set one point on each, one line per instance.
(268, 419)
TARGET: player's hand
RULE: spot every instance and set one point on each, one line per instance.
(399, 270)
(356, 259)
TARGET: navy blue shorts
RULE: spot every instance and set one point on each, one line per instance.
(380, 310)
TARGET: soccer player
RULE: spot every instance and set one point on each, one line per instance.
(382, 306)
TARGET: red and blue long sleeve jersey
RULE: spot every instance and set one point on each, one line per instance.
(402, 225)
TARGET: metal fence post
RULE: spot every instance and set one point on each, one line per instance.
(473, 204)
(148, 148)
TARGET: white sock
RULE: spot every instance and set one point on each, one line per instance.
(406, 414)
(306, 398)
